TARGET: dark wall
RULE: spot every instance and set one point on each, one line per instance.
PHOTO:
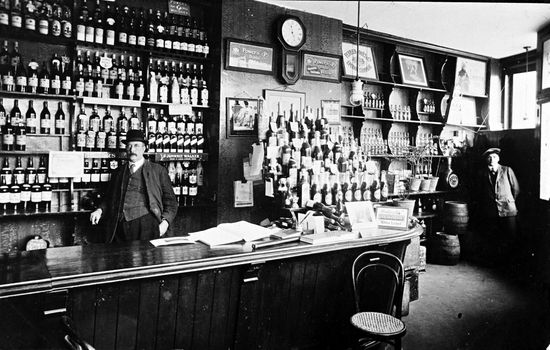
(254, 21)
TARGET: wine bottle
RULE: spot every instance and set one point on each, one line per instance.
(2, 115)
(110, 30)
(66, 79)
(29, 13)
(32, 76)
(30, 172)
(60, 120)
(66, 22)
(25, 195)
(123, 27)
(41, 171)
(4, 195)
(44, 21)
(46, 195)
(81, 23)
(16, 19)
(55, 77)
(6, 173)
(44, 79)
(132, 30)
(20, 75)
(45, 120)
(55, 24)
(15, 196)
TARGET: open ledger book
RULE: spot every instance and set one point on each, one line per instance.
(231, 233)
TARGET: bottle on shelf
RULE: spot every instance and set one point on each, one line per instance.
(44, 79)
(122, 128)
(36, 198)
(30, 172)
(60, 119)
(2, 114)
(46, 195)
(45, 119)
(32, 76)
(66, 22)
(41, 171)
(55, 24)
(8, 134)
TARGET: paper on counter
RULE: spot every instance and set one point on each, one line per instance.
(171, 241)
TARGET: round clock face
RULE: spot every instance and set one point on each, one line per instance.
(292, 32)
(452, 180)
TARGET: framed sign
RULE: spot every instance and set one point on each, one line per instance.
(412, 70)
(392, 217)
(242, 116)
(367, 64)
(323, 67)
(247, 56)
(470, 77)
(331, 111)
(277, 101)
(361, 215)
(545, 66)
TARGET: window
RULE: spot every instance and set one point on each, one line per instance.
(524, 100)
(520, 91)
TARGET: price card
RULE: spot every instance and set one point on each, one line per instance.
(105, 62)
(65, 164)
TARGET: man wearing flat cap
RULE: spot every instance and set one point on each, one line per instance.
(139, 203)
(498, 190)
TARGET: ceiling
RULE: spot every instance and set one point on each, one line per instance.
(490, 29)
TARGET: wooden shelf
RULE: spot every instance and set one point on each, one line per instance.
(28, 95)
(144, 50)
(57, 213)
(108, 102)
(386, 120)
(388, 83)
(467, 125)
(149, 103)
(23, 34)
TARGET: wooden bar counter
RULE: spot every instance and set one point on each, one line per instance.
(136, 296)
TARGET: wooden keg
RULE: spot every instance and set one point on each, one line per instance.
(444, 249)
(455, 217)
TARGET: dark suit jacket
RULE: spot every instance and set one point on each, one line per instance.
(498, 198)
(162, 203)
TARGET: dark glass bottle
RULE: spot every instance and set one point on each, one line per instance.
(59, 119)
(45, 120)
(32, 76)
(44, 79)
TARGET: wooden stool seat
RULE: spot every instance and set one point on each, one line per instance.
(377, 323)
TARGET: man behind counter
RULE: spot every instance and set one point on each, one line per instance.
(139, 203)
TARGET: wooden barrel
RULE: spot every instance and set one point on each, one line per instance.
(445, 249)
(455, 217)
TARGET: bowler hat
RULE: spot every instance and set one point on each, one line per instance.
(135, 135)
(491, 151)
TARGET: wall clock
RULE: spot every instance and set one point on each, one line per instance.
(291, 33)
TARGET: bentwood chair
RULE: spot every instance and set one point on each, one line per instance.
(378, 282)
(73, 340)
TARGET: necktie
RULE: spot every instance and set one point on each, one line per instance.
(132, 168)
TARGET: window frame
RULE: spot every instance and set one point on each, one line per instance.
(509, 66)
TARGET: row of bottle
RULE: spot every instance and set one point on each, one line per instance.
(169, 83)
(331, 189)
(398, 143)
(45, 17)
(122, 26)
(24, 189)
(15, 125)
(15, 76)
(109, 76)
(175, 133)
(374, 100)
(109, 25)
(94, 133)
(400, 112)
(187, 179)
(427, 106)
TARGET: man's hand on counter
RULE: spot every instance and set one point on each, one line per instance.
(163, 227)
(95, 216)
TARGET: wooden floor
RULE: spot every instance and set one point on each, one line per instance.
(474, 307)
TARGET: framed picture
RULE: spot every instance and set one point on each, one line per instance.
(361, 215)
(412, 70)
(470, 77)
(322, 67)
(331, 111)
(367, 64)
(242, 116)
(247, 56)
(277, 101)
(545, 66)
